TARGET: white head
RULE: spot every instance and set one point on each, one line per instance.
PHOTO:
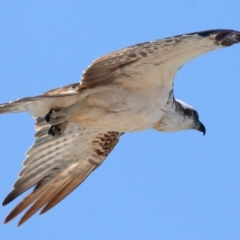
(179, 116)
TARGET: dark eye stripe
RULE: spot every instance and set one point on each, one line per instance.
(188, 112)
(195, 114)
(191, 113)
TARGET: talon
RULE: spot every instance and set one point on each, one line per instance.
(51, 132)
(48, 116)
(57, 130)
(56, 116)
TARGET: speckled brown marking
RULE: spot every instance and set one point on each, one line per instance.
(178, 41)
(169, 40)
(143, 54)
(93, 162)
(132, 55)
(149, 51)
(104, 143)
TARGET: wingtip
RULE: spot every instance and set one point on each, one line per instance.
(43, 211)
(10, 197)
(7, 219)
(221, 34)
(21, 222)
(224, 37)
(5, 202)
(227, 38)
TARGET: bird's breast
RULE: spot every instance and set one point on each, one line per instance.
(122, 111)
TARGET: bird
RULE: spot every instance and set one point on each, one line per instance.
(78, 125)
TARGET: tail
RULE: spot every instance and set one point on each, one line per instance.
(38, 106)
(20, 105)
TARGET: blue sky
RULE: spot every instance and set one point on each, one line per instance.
(153, 185)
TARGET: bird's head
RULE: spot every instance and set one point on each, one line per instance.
(181, 117)
(190, 118)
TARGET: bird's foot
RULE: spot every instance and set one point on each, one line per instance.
(56, 116)
(57, 130)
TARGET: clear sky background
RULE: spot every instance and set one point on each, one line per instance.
(153, 185)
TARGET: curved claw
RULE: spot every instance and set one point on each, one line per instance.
(57, 116)
(54, 130)
(57, 130)
(48, 115)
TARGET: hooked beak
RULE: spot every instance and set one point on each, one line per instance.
(201, 128)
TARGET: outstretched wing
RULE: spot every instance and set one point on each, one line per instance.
(154, 63)
(145, 65)
(40, 105)
(56, 166)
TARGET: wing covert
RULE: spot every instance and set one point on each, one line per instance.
(155, 62)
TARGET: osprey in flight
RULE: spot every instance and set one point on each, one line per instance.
(78, 125)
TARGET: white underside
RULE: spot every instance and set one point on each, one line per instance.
(120, 110)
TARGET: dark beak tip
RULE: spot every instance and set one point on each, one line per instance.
(202, 129)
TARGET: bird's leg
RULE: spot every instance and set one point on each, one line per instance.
(56, 116)
(57, 130)
(58, 119)
(59, 115)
